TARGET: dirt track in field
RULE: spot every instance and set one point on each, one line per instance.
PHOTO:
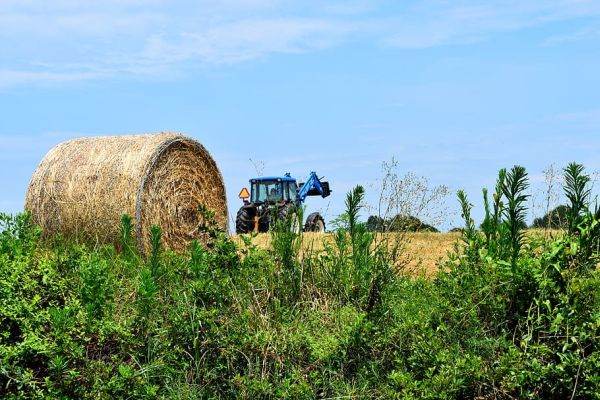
(423, 252)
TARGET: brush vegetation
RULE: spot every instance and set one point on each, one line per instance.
(507, 316)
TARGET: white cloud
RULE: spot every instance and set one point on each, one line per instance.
(587, 33)
(19, 77)
(435, 23)
(245, 40)
(68, 40)
(588, 120)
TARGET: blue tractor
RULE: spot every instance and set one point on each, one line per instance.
(279, 197)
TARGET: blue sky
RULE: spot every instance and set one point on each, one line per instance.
(454, 90)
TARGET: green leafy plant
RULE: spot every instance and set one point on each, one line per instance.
(155, 250)
(513, 188)
(469, 231)
(286, 244)
(354, 201)
(127, 241)
(577, 192)
(97, 286)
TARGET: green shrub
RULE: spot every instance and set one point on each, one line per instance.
(97, 286)
(508, 315)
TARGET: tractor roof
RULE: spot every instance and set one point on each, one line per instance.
(285, 178)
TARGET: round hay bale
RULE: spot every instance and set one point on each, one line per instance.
(83, 186)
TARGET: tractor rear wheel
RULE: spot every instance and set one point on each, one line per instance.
(244, 223)
(289, 214)
(314, 223)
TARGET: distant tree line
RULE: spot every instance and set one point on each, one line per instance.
(553, 219)
(398, 223)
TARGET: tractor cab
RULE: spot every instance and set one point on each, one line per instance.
(273, 190)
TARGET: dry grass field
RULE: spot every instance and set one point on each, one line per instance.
(423, 251)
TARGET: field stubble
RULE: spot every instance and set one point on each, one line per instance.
(422, 251)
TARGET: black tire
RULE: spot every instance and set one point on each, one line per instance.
(244, 222)
(289, 211)
(314, 223)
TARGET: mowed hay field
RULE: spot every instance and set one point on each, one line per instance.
(422, 254)
(423, 251)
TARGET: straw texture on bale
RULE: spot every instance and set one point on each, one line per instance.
(83, 186)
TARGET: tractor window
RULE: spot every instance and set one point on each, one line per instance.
(285, 191)
(293, 191)
(267, 191)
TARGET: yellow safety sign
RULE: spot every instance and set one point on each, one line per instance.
(244, 194)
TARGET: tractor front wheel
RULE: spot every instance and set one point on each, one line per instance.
(244, 222)
(314, 223)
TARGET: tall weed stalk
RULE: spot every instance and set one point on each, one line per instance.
(515, 213)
